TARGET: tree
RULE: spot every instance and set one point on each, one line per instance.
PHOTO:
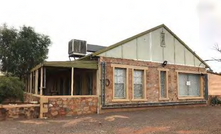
(21, 50)
(218, 49)
(11, 88)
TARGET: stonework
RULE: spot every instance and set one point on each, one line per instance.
(152, 80)
(26, 111)
(28, 97)
(71, 106)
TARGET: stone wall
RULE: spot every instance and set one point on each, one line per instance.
(28, 97)
(23, 111)
(152, 80)
(69, 106)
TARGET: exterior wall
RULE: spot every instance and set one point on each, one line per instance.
(152, 80)
(55, 106)
(70, 106)
(148, 48)
(214, 81)
(26, 111)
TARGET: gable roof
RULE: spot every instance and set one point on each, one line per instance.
(141, 34)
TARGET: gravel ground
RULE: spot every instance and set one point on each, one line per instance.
(205, 120)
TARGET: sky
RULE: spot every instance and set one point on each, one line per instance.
(105, 22)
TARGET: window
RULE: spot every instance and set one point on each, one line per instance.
(120, 83)
(163, 85)
(189, 85)
(138, 84)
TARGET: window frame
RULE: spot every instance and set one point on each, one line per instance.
(127, 67)
(167, 83)
(200, 84)
(126, 84)
(144, 84)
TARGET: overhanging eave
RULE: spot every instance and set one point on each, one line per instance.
(75, 64)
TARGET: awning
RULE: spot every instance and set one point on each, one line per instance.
(75, 64)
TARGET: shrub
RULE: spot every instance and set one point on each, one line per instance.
(215, 101)
(11, 88)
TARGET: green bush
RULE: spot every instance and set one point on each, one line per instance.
(11, 88)
(215, 101)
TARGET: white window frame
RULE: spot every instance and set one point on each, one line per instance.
(127, 67)
(126, 85)
(144, 84)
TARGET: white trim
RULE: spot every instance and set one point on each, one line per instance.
(144, 85)
(150, 41)
(126, 82)
(136, 49)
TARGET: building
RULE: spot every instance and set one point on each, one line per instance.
(153, 68)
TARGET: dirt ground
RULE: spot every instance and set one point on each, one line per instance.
(199, 120)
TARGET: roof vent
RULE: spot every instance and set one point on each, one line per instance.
(162, 39)
(77, 48)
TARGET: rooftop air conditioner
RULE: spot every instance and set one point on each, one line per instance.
(77, 48)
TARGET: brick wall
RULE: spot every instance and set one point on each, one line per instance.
(152, 79)
(71, 106)
(214, 84)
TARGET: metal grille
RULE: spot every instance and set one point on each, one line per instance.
(138, 84)
(189, 85)
(162, 39)
(120, 81)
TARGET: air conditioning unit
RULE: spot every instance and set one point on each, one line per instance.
(77, 48)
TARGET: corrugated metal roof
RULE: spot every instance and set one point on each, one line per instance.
(76, 64)
(94, 48)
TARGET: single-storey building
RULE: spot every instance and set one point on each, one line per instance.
(152, 68)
